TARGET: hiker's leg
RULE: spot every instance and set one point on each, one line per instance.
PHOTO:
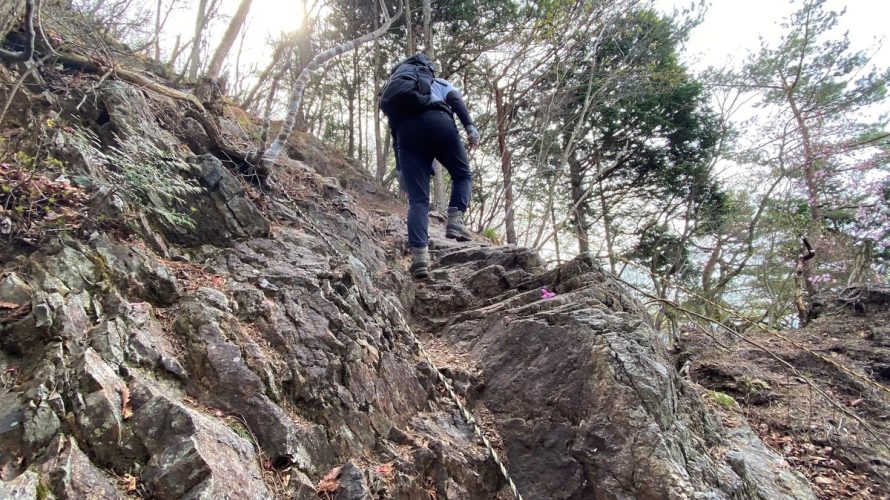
(451, 153)
(415, 165)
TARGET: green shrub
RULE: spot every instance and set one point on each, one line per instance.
(491, 234)
(722, 399)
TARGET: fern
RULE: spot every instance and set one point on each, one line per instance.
(149, 177)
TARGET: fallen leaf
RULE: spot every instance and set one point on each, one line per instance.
(856, 402)
(824, 481)
(384, 470)
(128, 482)
(126, 411)
(329, 482)
(9, 305)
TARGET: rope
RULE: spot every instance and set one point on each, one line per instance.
(867, 381)
(865, 425)
(468, 417)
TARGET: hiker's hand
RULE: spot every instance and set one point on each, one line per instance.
(472, 136)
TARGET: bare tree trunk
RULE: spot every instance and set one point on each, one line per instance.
(200, 22)
(359, 107)
(439, 189)
(607, 228)
(506, 164)
(387, 142)
(177, 51)
(316, 63)
(428, 30)
(409, 30)
(553, 221)
(378, 146)
(579, 208)
(801, 282)
(285, 47)
(157, 39)
(814, 228)
(350, 106)
(236, 87)
(267, 112)
(228, 39)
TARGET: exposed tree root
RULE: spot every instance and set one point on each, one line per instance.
(28, 52)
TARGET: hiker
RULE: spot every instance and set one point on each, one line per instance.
(421, 111)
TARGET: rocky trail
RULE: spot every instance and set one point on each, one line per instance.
(261, 353)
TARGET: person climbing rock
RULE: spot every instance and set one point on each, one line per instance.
(421, 109)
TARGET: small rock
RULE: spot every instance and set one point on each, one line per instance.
(352, 484)
(213, 297)
(40, 425)
(14, 290)
(23, 487)
(71, 474)
(99, 412)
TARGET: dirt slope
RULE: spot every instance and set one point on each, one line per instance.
(842, 457)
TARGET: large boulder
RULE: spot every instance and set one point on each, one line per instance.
(69, 473)
(223, 213)
(223, 378)
(582, 392)
(193, 456)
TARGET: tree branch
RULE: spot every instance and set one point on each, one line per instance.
(271, 155)
(28, 52)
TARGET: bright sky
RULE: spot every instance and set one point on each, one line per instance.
(267, 19)
(731, 28)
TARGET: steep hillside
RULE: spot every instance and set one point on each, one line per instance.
(182, 335)
(844, 457)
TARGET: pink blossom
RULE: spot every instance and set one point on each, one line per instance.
(547, 294)
(821, 278)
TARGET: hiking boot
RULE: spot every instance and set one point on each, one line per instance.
(420, 267)
(456, 229)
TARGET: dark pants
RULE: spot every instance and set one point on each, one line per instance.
(420, 139)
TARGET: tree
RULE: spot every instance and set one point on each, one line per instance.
(271, 154)
(225, 45)
(200, 23)
(636, 135)
(814, 83)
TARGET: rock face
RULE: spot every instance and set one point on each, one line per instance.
(273, 350)
(583, 397)
(226, 215)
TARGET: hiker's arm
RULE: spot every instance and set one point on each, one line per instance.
(395, 145)
(456, 102)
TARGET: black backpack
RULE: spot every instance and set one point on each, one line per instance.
(407, 92)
